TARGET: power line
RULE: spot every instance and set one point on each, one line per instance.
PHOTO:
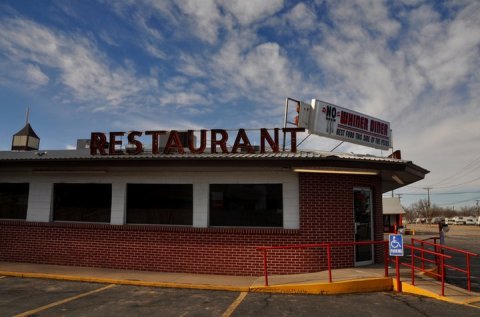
(466, 169)
(448, 193)
(459, 202)
(456, 185)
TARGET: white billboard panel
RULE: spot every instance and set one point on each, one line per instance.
(350, 126)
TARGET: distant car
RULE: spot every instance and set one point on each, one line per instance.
(450, 221)
(470, 221)
(436, 220)
(459, 220)
(420, 220)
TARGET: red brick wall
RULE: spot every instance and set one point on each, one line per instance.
(326, 215)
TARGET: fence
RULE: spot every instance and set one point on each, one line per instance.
(417, 253)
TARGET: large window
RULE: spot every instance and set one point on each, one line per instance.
(169, 204)
(82, 202)
(13, 200)
(246, 205)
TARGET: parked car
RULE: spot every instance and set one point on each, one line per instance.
(478, 221)
(450, 221)
(470, 221)
(420, 220)
(436, 220)
(459, 220)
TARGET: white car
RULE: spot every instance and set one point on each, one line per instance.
(459, 220)
(470, 221)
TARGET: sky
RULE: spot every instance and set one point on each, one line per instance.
(85, 66)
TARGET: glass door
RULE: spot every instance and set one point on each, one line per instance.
(362, 209)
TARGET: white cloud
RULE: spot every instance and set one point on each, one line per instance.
(155, 51)
(446, 51)
(205, 15)
(82, 68)
(301, 17)
(35, 75)
(251, 11)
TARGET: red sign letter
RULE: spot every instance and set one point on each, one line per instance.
(203, 142)
(293, 137)
(242, 136)
(113, 142)
(173, 142)
(98, 141)
(155, 135)
(222, 142)
(264, 135)
(138, 145)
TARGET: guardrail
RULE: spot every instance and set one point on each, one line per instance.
(441, 249)
(327, 246)
(416, 253)
(413, 267)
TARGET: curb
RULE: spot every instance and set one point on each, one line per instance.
(342, 287)
(414, 290)
(383, 284)
(126, 282)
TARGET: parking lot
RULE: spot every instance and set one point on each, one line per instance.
(41, 297)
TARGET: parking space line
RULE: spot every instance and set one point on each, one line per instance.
(63, 301)
(235, 304)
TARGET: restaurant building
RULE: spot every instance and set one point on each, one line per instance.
(181, 208)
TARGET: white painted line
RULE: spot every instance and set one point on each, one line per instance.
(235, 304)
(63, 301)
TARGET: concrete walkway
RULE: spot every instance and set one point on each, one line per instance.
(351, 280)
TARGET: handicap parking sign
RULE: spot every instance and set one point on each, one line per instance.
(395, 244)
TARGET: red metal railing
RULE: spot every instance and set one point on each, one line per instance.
(441, 248)
(413, 267)
(327, 246)
(438, 253)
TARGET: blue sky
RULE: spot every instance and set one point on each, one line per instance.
(84, 66)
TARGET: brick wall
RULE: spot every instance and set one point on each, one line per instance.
(326, 215)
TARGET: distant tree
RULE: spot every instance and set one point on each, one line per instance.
(420, 209)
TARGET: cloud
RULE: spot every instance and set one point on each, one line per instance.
(81, 68)
(35, 75)
(205, 15)
(248, 12)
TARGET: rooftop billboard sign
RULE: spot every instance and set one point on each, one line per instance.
(331, 121)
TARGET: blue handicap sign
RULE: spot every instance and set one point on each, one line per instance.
(395, 244)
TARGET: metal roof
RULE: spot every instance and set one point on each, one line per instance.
(84, 154)
(394, 173)
(392, 206)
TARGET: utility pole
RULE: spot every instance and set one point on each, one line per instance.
(428, 200)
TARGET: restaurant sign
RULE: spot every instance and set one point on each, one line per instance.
(342, 124)
(112, 143)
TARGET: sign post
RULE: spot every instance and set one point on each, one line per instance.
(395, 248)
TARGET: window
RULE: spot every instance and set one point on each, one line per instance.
(246, 205)
(13, 200)
(82, 202)
(169, 204)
